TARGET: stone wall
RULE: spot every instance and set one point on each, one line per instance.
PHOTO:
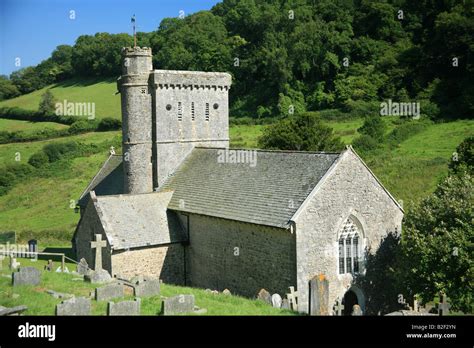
(88, 227)
(136, 103)
(349, 190)
(164, 262)
(238, 256)
(190, 109)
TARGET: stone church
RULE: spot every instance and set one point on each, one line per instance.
(168, 207)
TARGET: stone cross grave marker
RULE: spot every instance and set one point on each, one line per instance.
(98, 245)
(13, 263)
(443, 306)
(292, 296)
(338, 307)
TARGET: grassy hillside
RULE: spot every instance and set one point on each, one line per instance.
(40, 206)
(41, 303)
(102, 93)
(27, 127)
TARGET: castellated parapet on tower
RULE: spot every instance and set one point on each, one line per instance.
(165, 114)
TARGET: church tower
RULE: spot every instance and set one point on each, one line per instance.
(165, 114)
(136, 105)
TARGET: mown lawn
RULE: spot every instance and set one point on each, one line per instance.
(41, 303)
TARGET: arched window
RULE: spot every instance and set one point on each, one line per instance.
(349, 248)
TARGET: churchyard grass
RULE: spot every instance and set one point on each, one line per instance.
(41, 303)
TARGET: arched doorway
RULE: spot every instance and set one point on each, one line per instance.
(350, 299)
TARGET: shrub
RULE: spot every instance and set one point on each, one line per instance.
(365, 143)
(304, 132)
(108, 124)
(82, 126)
(374, 127)
(38, 159)
(56, 151)
(463, 158)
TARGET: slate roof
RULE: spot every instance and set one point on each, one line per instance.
(108, 181)
(267, 194)
(132, 221)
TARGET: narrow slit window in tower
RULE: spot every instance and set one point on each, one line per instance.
(207, 111)
(192, 111)
(180, 111)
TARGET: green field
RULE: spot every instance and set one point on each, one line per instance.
(41, 303)
(27, 127)
(102, 93)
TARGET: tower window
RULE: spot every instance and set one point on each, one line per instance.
(180, 111)
(192, 111)
(207, 111)
(215, 106)
(168, 107)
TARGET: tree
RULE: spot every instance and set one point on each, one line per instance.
(437, 244)
(374, 127)
(304, 132)
(463, 158)
(47, 103)
(7, 89)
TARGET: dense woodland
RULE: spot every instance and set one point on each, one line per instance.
(296, 55)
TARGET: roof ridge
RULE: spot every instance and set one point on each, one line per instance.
(271, 151)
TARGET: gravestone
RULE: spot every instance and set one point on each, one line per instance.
(178, 304)
(13, 263)
(276, 300)
(2, 257)
(98, 245)
(99, 275)
(285, 304)
(49, 266)
(56, 294)
(147, 287)
(4, 311)
(226, 292)
(292, 298)
(109, 292)
(356, 310)
(124, 308)
(265, 296)
(82, 267)
(33, 246)
(74, 306)
(443, 306)
(338, 307)
(319, 295)
(26, 276)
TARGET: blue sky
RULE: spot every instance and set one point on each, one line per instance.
(31, 29)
